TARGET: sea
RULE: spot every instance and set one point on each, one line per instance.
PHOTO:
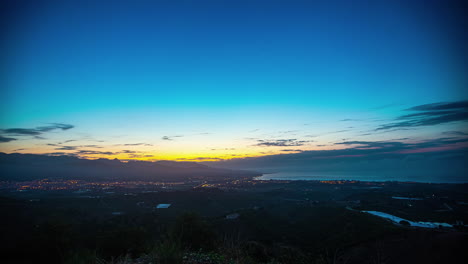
(377, 177)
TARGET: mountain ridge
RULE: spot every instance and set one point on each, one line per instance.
(23, 167)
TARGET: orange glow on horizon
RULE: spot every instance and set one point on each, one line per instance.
(182, 152)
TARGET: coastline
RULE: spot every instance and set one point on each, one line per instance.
(279, 176)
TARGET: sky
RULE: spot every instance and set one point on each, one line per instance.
(222, 80)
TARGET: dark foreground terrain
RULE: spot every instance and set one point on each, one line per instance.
(239, 221)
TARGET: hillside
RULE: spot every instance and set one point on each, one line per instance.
(24, 167)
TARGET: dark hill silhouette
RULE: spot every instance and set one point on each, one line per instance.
(23, 167)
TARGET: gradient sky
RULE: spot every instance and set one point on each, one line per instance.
(208, 80)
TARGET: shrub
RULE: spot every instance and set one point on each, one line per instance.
(193, 233)
(168, 251)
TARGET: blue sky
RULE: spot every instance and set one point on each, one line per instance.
(226, 79)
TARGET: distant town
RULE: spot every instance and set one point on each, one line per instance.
(430, 201)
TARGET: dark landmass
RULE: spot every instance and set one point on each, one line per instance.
(232, 221)
(382, 159)
(27, 167)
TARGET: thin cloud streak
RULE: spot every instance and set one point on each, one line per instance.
(6, 139)
(429, 115)
(35, 131)
(280, 143)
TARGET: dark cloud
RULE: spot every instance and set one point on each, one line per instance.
(54, 126)
(440, 106)
(137, 144)
(398, 146)
(281, 143)
(128, 151)
(429, 115)
(375, 145)
(76, 151)
(60, 143)
(61, 154)
(291, 150)
(455, 133)
(35, 131)
(67, 148)
(94, 152)
(140, 156)
(21, 131)
(6, 139)
(134, 144)
(170, 137)
(91, 146)
(62, 147)
(437, 158)
(199, 159)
